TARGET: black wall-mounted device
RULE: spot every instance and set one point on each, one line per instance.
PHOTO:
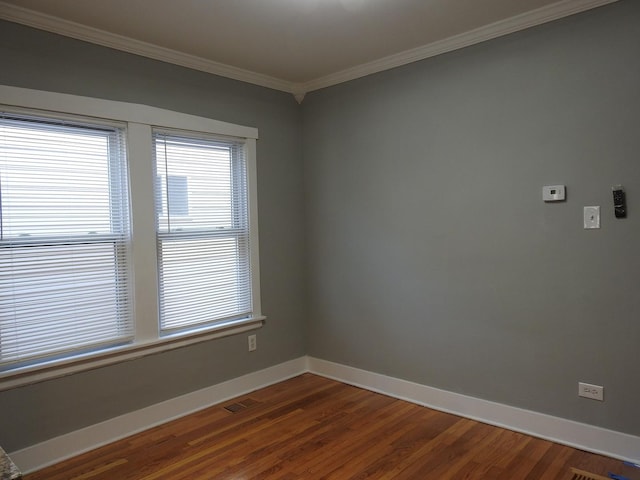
(619, 202)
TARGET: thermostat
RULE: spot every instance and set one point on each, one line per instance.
(553, 193)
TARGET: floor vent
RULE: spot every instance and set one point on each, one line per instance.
(581, 475)
(236, 407)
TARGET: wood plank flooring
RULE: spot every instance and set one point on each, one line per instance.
(310, 427)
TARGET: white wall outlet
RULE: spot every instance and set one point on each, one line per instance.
(591, 217)
(253, 342)
(595, 392)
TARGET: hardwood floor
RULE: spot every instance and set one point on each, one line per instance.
(310, 427)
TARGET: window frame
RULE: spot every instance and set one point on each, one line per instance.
(167, 236)
(139, 121)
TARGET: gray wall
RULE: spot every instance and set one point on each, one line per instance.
(35, 59)
(432, 257)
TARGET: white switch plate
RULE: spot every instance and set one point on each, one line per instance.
(591, 217)
(253, 342)
(594, 392)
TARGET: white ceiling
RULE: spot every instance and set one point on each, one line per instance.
(290, 45)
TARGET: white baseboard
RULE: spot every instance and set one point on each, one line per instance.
(36, 457)
(567, 432)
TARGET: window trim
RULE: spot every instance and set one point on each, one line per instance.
(139, 120)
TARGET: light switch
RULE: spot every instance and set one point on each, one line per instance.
(591, 217)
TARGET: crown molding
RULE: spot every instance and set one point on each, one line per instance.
(523, 21)
(552, 12)
(78, 31)
(299, 95)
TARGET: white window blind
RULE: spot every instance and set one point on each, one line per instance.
(202, 231)
(64, 236)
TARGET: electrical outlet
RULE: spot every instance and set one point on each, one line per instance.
(594, 392)
(253, 342)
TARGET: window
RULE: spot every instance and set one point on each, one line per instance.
(64, 239)
(202, 230)
(124, 230)
(172, 189)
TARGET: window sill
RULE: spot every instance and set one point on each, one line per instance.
(46, 371)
